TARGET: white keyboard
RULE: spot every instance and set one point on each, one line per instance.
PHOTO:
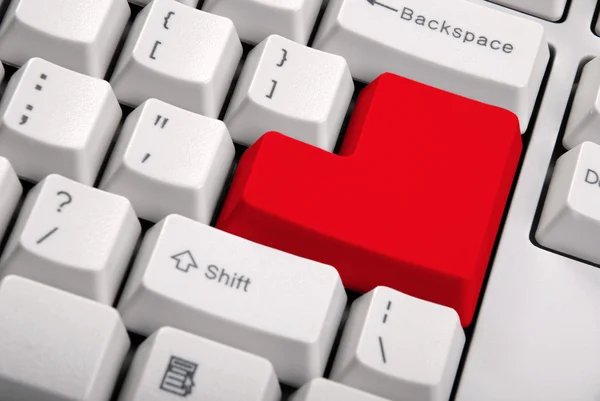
(300, 200)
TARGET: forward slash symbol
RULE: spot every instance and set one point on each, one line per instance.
(375, 2)
(55, 229)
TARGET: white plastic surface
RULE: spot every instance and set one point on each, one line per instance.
(10, 193)
(536, 337)
(191, 3)
(292, 89)
(570, 221)
(327, 390)
(180, 55)
(170, 160)
(255, 20)
(548, 9)
(173, 363)
(584, 119)
(54, 120)
(73, 237)
(202, 280)
(57, 346)
(81, 35)
(453, 45)
(399, 347)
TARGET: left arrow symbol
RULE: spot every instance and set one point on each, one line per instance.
(185, 261)
(375, 2)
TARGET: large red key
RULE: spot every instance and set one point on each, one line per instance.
(413, 201)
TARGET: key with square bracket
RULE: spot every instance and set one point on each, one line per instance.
(54, 120)
(73, 237)
(81, 35)
(255, 20)
(202, 280)
(268, 95)
(400, 347)
(187, 366)
(182, 56)
(170, 160)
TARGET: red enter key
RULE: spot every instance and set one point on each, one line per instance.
(413, 201)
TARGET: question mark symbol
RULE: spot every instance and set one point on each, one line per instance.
(69, 199)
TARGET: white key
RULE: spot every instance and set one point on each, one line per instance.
(551, 10)
(293, 89)
(191, 3)
(255, 20)
(584, 120)
(327, 390)
(400, 347)
(81, 35)
(199, 279)
(172, 363)
(454, 45)
(57, 346)
(169, 160)
(10, 193)
(182, 56)
(73, 237)
(570, 221)
(55, 120)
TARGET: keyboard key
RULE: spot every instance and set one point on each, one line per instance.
(169, 160)
(584, 120)
(10, 193)
(191, 3)
(182, 56)
(185, 365)
(268, 98)
(57, 346)
(56, 120)
(570, 221)
(400, 347)
(326, 390)
(255, 20)
(454, 45)
(551, 10)
(255, 299)
(429, 235)
(73, 237)
(81, 35)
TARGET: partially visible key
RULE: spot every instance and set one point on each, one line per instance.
(73, 237)
(400, 347)
(551, 10)
(584, 120)
(290, 88)
(172, 363)
(81, 35)
(199, 279)
(570, 220)
(54, 120)
(327, 390)
(454, 45)
(255, 20)
(10, 193)
(182, 56)
(191, 3)
(170, 160)
(57, 346)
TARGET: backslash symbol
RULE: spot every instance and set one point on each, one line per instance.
(179, 377)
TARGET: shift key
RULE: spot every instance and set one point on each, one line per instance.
(197, 278)
(455, 45)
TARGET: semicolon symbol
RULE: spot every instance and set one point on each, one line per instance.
(24, 117)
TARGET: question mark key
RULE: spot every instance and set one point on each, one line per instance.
(73, 237)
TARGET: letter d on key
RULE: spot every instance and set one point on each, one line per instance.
(588, 177)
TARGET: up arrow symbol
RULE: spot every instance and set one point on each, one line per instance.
(375, 2)
(185, 261)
